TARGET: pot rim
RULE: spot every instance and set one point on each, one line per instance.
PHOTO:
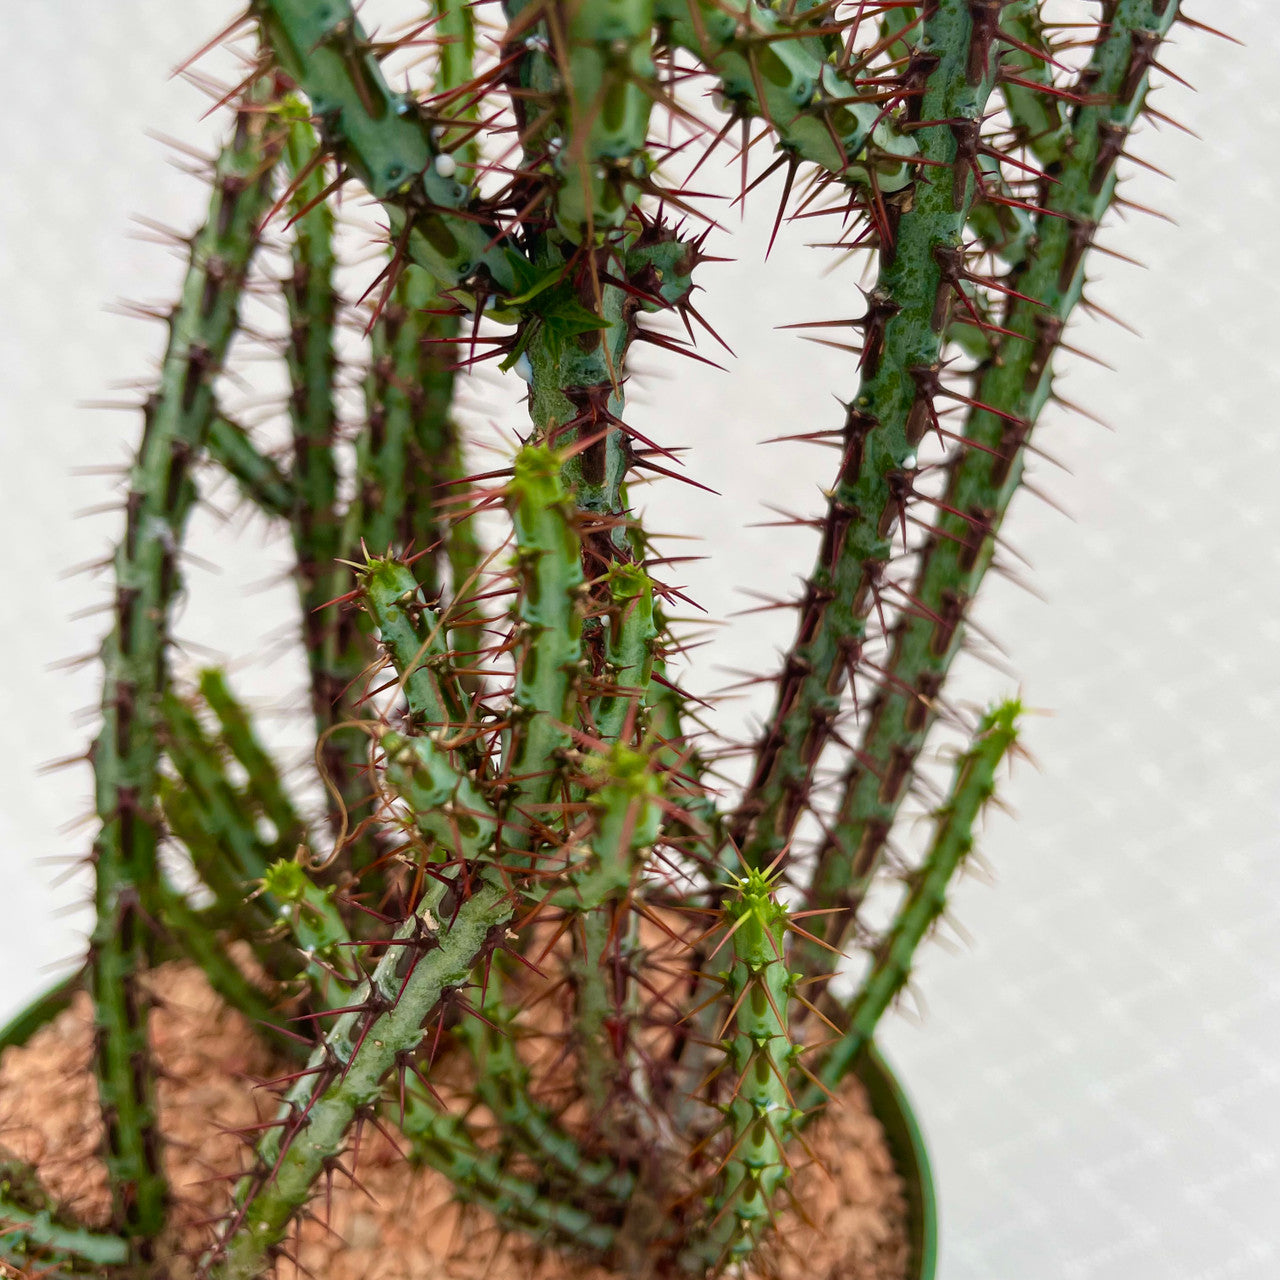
(892, 1107)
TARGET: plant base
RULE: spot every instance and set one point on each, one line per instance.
(395, 1228)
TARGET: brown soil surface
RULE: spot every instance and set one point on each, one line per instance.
(403, 1225)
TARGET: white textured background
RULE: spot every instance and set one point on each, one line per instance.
(1097, 1071)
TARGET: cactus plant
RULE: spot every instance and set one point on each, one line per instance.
(526, 829)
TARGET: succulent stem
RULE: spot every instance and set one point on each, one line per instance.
(972, 787)
(768, 68)
(921, 264)
(761, 1111)
(259, 479)
(479, 1177)
(263, 785)
(548, 643)
(415, 639)
(178, 417)
(1015, 383)
(430, 955)
(383, 139)
(32, 1243)
(40, 1012)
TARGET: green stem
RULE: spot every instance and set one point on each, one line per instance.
(1027, 83)
(503, 1082)
(627, 820)
(600, 80)
(315, 524)
(190, 935)
(1016, 382)
(178, 417)
(33, 1243)
(431, 956)
(415, 639)
(402, 456)
(226, 847)
(631, 635)
(259, 479)
(385, 142)
(972, 787)
(903, 334)
(263, 785)
(217, 824)
(478, 1177)
(548, 645)
(816, 112)
(309, 913)
(760, 1113)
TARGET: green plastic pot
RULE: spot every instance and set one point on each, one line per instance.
(906, 1144)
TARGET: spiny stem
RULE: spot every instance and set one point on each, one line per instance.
(631, 635)
(815, 111)
(192, 937)
(258, 477)
(217, 823)
(761, 1111)
(503, 1082)
(385, 142)
(1039, 122)
(479, 1177)
(316, 928)
(549, 565)
(575, 396)
(178, 417)
(602, 98)
(433, 952)
(446, 804)
(972, 787)
(402, 457)
(226, 848)
(1028, 89)
(455, 29)
(626, 819)
(417, 643)
(37, 1240)
(1016, 382)
(309, 913)
(314, 522)
(263, 784)
(904, 332)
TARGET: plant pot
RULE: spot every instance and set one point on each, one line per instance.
(194, 1016)
(906, 1142)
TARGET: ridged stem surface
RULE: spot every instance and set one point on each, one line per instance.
(767, 68)
(258, 478)
(432, 952)
(178, 417)
(314, 523)
(548, 642)
(760, 1113)
(952, 71)
(1017, 383)
(972, 786)
(385, 142)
